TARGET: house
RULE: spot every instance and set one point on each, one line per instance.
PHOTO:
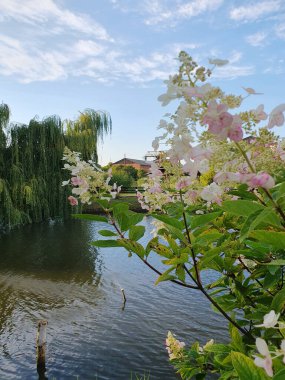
(137, 164)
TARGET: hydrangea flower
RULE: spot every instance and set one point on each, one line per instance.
(276, 117)
(174, 347)
(265, 361)
(270, 320)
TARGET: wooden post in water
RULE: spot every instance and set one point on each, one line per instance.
(41, 348)
(124, 298)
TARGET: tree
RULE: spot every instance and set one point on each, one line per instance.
(31, 172)
(82, 135)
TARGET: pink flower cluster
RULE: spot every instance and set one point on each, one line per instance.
(221, 123)
(72, 200)
(261, 179)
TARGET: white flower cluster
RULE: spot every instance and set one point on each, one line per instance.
(264, 360)
(88, 181)
(201, 105)
(174, 347)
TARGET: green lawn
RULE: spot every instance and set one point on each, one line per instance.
(128, 198)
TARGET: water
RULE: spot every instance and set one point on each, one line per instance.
(50, 271)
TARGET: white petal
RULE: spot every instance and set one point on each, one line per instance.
(259, 362)
(278, 109)
(218, 62)
(262, 347)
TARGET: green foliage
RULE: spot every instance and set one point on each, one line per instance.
(122, 179)
(31, 172)
(82, 135)
(246, 369)
(124, 175)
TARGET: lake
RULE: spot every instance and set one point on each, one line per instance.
(50, 271)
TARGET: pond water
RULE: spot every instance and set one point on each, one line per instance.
(50, 271)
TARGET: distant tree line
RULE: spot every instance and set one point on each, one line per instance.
(31, 171)
(125, 175)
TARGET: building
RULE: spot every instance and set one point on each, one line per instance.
(137, 164)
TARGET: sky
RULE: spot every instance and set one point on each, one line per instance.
(59, 57)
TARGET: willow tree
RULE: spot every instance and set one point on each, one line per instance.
(82, 135)
(31, 172)
(4, 120)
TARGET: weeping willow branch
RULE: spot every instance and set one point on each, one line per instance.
(31, 163)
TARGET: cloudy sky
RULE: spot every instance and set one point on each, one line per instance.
(62, 56)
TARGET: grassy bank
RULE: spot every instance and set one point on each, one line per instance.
(130, 199)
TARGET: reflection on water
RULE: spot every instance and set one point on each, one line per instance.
(50, 271)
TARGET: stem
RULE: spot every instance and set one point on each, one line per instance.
(245, 157)
(277, 207)
(198, 278)
(217, 306)
(249, 271)
(113, 223)
(199, 282)
(175, 281)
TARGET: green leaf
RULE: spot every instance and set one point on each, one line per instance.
(177, 234)
(271, 279)
(279, 375)
(278, 301)
(136, 232)
(265, 217)
(120, 208)
(161, 250)
(104, 203)
(107, 233)
(278, 262)
(151, 244)
(95, 218)
(201, 220)
(180, 272)
(135, 217)
(172, 244)
(170, 221)
(105, 243)
(272, 238)
(207, 238)
(132, 246)
(242, 192)
(280, 191)
(241, 207)
(165, 276)
(218, 348)
(246, 368)
(210, 255)
(237, 341)
(177, 260)
(124, 217)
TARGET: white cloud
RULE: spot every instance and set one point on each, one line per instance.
(159, 11)
(49, 13)
(27, 62)
(280, 31)
(235, 57)
(254, 11)
(85, 48)
(29, 66)
(256, 39)
(140, 70)
(233, 71)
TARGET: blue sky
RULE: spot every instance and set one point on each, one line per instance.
(62, 56)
